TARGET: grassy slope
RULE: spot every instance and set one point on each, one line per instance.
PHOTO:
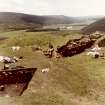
(77, 80)
(96, 26)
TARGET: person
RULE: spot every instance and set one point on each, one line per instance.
(50, 50)
(50, 45)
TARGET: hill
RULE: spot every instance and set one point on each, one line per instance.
(9, 20)
(20, 21)
(96, 26)
(76, 80)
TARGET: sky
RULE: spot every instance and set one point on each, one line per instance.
(55, 7)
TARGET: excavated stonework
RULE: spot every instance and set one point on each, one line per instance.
(76, 46)
(14, 82)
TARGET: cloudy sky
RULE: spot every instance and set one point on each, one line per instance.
(55, 7)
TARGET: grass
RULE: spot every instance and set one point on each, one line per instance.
(77, 80)
(35, 99)
(37, 38)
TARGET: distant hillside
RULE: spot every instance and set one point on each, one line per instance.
(96, 26)
(19, 21)
(9, 20)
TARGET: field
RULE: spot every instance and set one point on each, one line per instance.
(74, 26)
(76, 80)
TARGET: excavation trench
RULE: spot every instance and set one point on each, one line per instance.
(14, 82)
(76, 46)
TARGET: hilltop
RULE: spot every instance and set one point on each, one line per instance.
(76, 80)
